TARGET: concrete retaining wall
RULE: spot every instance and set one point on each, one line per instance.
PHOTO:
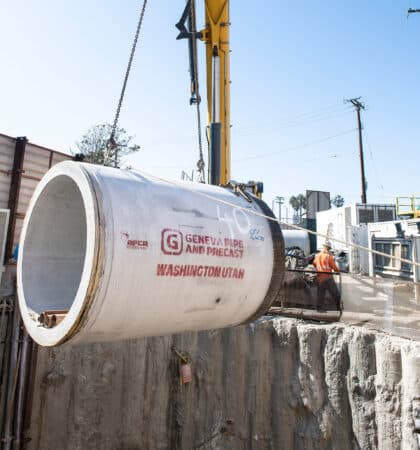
(275, 384)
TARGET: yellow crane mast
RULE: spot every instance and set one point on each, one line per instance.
(216, 37)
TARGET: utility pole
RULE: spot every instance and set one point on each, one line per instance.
(358, 105)
(279, 201)
(412, 11)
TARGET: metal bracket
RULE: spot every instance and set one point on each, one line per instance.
(246, 189)
(10, 172)
(240, 189)
(184, 32)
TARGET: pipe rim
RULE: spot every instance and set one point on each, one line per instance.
(278, 270)
(64, 330)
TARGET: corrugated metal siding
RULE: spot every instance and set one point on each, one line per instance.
(58, 157)
(36, 163)
(7, 150)
(27, 188)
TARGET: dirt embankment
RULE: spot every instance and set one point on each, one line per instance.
(275, 384)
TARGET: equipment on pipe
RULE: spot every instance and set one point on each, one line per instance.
(114, 254)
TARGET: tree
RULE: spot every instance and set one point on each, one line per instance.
(93, 145)
(298, 203)
(338, 201)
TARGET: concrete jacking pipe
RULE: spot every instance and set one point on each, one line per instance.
(108, 254)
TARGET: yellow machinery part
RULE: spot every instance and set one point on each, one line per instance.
(216, 35)
(408, 206)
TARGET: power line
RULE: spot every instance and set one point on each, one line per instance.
(297, 147)
(281, 126)
(321, 111)
(380, 185)
(245, 130)
(186, 138)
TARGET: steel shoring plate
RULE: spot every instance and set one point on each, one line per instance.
(389, 305)
(310, 295)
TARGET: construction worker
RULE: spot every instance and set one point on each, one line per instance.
(325, 264)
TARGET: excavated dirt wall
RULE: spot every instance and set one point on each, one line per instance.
(275, 384)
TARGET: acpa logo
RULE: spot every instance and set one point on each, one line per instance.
(172, 242)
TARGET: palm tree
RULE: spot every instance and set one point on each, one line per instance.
(298, 203)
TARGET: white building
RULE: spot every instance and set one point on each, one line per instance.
(347, 225)
(400, 238)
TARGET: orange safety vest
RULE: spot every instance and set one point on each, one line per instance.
(324, 262)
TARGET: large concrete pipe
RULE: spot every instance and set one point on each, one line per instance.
(108, 254)
(297, 238)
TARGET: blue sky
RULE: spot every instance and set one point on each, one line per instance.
(293, 63)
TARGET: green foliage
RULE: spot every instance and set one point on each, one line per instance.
(338, 201)
(298, 203)
(93, 145)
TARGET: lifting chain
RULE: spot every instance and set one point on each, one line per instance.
(112, 145)
(200, 162)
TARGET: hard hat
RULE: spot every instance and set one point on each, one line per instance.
(327, 245)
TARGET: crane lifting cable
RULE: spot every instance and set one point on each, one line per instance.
(111, 152)
(191, 34)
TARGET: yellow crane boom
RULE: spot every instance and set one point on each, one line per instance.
(216, 37)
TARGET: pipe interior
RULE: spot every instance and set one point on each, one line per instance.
(55, 246)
